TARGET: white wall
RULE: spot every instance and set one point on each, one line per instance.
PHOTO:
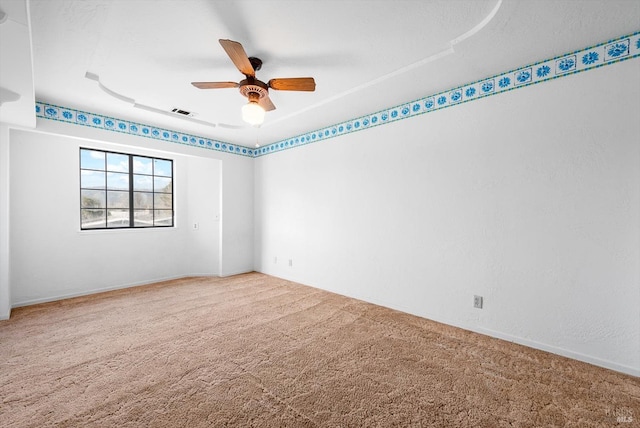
(16, 77)
(530, 199)
(237, 213)
(203, 197)
(5, 297)
(16, 65)
(51, 258)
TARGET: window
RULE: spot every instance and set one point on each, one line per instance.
(120, 190)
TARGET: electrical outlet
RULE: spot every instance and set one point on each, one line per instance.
(477, 302)
(275, 259)
(290, 262)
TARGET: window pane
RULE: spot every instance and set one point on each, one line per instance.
(142, 200)
(93, 199)
(143, 218)
(117, 181)
(163, 218)
(117, 162)
(117, 199)
(142, 165)
(162, 184)
(107, 180)
(162, 167)
(118, 218)
(92, 179)
(162, 201)
(143, 183)
(91, 159)
(91, 219)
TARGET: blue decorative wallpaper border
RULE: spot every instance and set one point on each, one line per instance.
(78, 117)
(606, 53)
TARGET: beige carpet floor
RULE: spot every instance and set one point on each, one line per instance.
(254, 350)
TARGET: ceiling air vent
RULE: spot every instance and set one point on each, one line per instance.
(183, 112)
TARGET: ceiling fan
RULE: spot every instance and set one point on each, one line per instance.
(256, 91)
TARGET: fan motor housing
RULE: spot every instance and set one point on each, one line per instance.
(253, 88)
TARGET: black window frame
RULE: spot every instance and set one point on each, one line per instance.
(131, 192)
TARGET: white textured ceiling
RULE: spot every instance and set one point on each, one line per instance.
(364, 55)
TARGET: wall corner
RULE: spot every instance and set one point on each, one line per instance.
(5, 294)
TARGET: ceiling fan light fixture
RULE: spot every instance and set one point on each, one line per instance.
(252, 113)
(255, 90)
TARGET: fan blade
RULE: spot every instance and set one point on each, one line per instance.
(266, 103)
(293, 84)
(238, 56)
(214, 85)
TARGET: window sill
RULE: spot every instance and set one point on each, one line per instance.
(128, 230)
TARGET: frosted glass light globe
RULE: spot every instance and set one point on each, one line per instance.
(252, 113)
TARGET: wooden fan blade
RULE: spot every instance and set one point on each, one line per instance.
(266, 103)
(293, 84)
(238, 56)
(214, 85)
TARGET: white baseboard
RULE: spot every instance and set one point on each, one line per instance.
(633, 371)
(92, 291)
(226, 274)
(202, 275)
(533, 344)
(111, 288)
(488, 332)
(559, 351)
